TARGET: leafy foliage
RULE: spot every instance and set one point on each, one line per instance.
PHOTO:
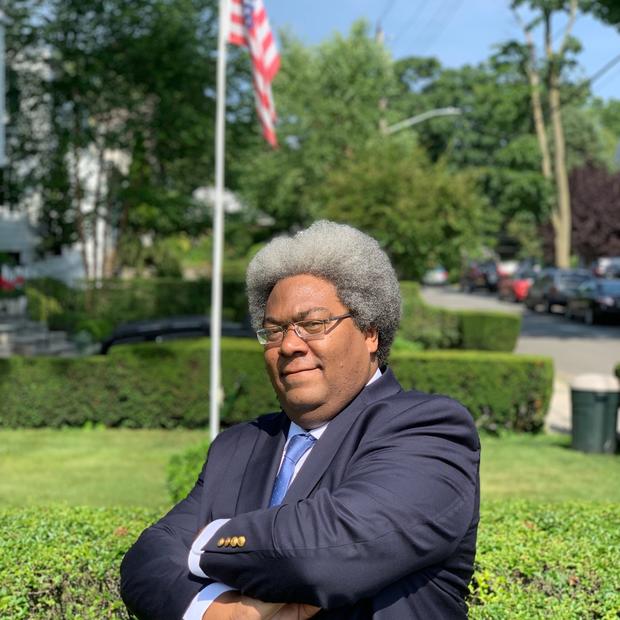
(546, 560)
(596, 212)
(422, 213)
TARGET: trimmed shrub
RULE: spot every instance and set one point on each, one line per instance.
(546, 561)
(534, 560)
(501, 390)
(489, 331)
(64, 562)
(433, 328)
(183, 470)
(617, 371)
(166, 385)
(139, 386)
(437, 328)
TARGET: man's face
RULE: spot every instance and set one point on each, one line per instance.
(316, 379)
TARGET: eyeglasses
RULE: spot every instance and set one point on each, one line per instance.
(312, 329)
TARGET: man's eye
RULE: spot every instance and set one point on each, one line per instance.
(312, 327)
(272, 332)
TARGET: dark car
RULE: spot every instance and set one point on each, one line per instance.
(172, 328)
(553, 287)
(480, 275)
(595, 300)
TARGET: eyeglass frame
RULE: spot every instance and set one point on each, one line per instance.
(283, 329)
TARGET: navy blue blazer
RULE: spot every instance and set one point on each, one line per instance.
(379, 523)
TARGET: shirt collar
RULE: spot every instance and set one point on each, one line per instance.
(295, 429)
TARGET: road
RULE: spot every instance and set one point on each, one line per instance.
(575, 348)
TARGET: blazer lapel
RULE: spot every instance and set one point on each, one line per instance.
(327, 446)
(262, 466)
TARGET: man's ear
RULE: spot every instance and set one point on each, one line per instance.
(371, 336)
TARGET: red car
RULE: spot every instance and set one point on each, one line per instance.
(516, 287)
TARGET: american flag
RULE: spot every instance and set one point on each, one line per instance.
(249, 27)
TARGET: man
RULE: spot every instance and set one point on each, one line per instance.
(358, 500)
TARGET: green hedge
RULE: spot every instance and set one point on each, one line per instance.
(166, 385)
(98, 309)
(437, 328)
(139, 386)
(501, 390)
(533, 561)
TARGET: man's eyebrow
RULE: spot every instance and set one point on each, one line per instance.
(300, 316)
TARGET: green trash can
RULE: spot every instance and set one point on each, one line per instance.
(595, 400)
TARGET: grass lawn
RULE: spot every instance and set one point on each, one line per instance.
(543, 467)
(127, 467)
(98, 467)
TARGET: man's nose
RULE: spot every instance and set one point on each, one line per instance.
(291, 342)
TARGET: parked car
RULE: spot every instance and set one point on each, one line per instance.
(552, 288)
(606, 267)
(171, 328)
(436, 276)
(480, 275)
(595, 300)
(516, 287)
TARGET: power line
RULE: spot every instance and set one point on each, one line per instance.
(446, 19)
(388, 7)
(409, 23)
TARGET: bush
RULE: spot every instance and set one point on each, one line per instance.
(546, 561)
(501, 390)
(167, 385)
(139, 386)
(437, 328)
(433, 328)
(183, 470)
(64, 562)
(100, 308)
(534, 560)
(489, 331)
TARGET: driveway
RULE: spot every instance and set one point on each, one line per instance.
(575, 348)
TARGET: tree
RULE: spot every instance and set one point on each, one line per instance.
(595, 196)
(328, 100)
(554, 166)
(422, 213)
(98, 84)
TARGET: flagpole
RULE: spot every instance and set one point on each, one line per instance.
(218, 225)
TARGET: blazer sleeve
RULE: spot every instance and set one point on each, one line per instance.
(408, 497)
(155, 581)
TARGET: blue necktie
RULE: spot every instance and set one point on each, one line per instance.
(297, 447)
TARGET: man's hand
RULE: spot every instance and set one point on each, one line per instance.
(235, 606)
(296, 611)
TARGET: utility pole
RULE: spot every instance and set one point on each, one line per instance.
(383, 102)
(2, 94)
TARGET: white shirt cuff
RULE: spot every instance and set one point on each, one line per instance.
(201, 602)
(193, 559)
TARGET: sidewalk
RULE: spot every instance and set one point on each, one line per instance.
(558, 418)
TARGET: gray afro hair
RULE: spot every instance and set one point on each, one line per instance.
(351, 260)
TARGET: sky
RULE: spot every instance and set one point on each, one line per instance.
(457, 32)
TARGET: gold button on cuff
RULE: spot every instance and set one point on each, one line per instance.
(241, 541)
(220, 542)
(227, 542)
(233, 541)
